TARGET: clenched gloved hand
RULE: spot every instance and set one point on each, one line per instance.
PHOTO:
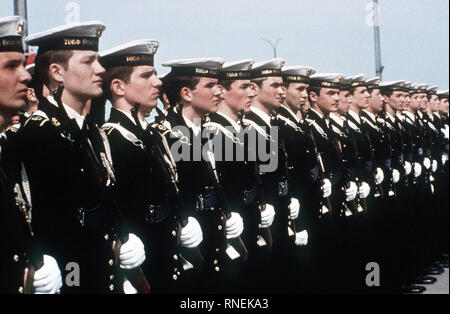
(294, 208)
(47, 279)
(191, 234)
(379, 176)
(351, 191)
(234, 226)
(267, 216)
(301, 238)
(326, 188)
(364, 190)
(132, 253)
(395, 176)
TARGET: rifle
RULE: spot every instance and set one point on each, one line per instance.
(236, 243)
(342, 166)
(265, 233)
(136, 276)
(193, 255)
(322, 171)
(282, 148)
(392, 187)
(36, 258)
(361, 201)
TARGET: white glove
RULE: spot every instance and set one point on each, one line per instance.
(301, 238)
(326, 188)
(191, 235)
(294, 208)
(47, 279)
(379, 176)
(132, 253)
(444, 159)
(351, 191)
(395, 176)
(434, 165)
(267, 216)
(408, 167)
(417, 169)
(427, 163)
(364, 190)
(234, 226)
(445, 132)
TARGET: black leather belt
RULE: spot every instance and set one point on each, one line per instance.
(158, 213)
(208, 200)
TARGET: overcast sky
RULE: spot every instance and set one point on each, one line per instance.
(329, 35)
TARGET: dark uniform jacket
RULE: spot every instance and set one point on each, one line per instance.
(70, 179)
(145, 193)
(303, 172)
(275, 183)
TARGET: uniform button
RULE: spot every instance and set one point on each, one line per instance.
(111, 262)
(217, 250)
(175, 257)
(259, 226)
(21, 290)
(111, 287)
(111, 277)
(217, 268)
(174, 233)
(219, 227)
(175, 277)
(216, 262)
(106, 237)
(16, 258)
(82, 170)
(178, 273)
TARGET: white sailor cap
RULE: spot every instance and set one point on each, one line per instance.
(432, 90)
(237, 70)
(346, 83)
(297, 74)
(134, 53)
(327, 80)
(373, 83)
(393, 86)
(75, 36)
(443, 94)
(267, 68)
(419, 88)
(358, 80)
(201, 67)
(12, 29)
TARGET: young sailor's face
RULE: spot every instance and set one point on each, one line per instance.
(13, 82)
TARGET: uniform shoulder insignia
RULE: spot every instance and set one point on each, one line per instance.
(55, 122)
(15, 128)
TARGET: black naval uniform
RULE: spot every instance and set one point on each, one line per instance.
(242, 185)
(69, 173)
(202, 199)
(304, 183)
(329, 222)
(143, 186)
(277, 193)
(18, 246)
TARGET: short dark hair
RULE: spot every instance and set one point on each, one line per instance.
(120, 72)
(314, 89)
(387, 93)
(226, 84)
(45, 59)
(172, 87)
(258, 81)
